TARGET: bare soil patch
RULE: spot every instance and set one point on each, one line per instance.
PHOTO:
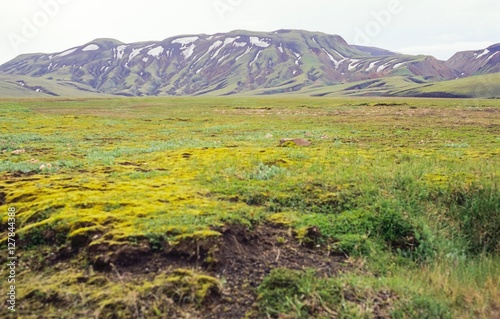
(240, 258)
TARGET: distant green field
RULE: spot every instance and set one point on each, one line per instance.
(482, 86)
(487, 85)
(192, 208)
(18, 86)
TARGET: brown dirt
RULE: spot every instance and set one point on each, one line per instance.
(240, 257)
(246, 257)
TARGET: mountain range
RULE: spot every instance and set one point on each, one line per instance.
(250, 63)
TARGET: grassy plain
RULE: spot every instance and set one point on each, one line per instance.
(190, 208)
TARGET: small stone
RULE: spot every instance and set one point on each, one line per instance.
(18, 152)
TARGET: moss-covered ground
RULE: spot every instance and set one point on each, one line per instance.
(191, 208)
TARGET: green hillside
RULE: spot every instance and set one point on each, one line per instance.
(481, 86)
(15, 86)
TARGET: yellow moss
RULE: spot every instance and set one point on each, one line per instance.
(282, 219)
(111, 245)
(288, 144)
(184, 285)
(301, 233)
(30, 227)
(198, 235)
(436, 179)
(86, 230)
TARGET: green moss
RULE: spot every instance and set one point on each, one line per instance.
(354, 245)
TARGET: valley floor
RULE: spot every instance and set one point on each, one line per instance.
(192, 208)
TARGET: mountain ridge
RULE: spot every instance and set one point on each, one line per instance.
(238, 62)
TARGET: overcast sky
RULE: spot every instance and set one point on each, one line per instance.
(434, 27)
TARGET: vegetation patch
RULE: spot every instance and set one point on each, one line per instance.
(170, 211)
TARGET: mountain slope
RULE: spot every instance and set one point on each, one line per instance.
(479, 86)
(14, 86)
(469, 63)
(229, 63)
(238, 62)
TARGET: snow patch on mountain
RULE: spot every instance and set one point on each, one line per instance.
(246, 52)
(330, 56)
(156, 52)
(219, 43)
(133, 54)
(65, 53)
(120, 51)
(353, 65)
(397, 65)
(255, 59)
(486, 51)
(187, 52)
(371, 66)
(281, 48)
(215, 45)
(91, 47)
(337, 63)
(384, 66)
(220, 49)
(297, 55)
(340, 55)
(259, 42)
(229, 41)
(186, 40)
(492, 55)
